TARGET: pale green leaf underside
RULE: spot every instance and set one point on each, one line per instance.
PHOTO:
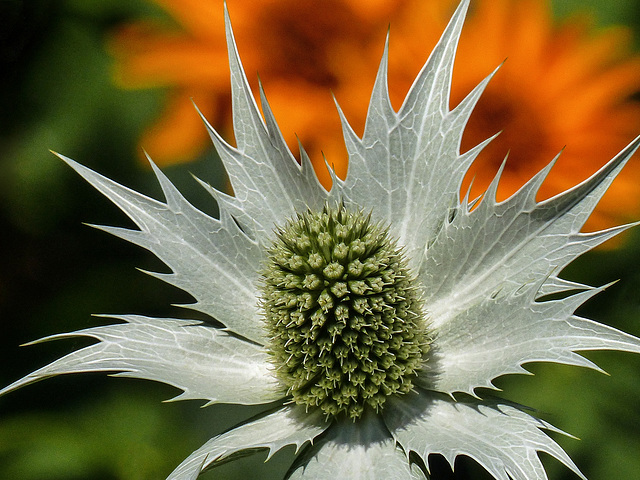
(289, 425)
(205, 362)
(501, 438)
(355, 451)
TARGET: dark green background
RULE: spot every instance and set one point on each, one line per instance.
(56, 93)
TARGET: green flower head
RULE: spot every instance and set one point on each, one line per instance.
(343, 313)
(365, 317)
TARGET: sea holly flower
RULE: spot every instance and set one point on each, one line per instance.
(365, 318)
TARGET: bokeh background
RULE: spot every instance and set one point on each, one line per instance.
(99, 81)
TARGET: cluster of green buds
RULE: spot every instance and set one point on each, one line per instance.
(343, 312)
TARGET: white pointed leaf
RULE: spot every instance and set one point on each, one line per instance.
(363, 450)
(484, 272)
(289, 425)
(501, 438)
(499, 334)
(205, 362)
(407, 167)
(212, 260)
(269, 185)
(508, 244)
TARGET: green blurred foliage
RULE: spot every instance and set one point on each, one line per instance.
(56, 93)
(122, 436)
(605, 12)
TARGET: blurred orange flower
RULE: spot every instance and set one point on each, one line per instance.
(561, 84)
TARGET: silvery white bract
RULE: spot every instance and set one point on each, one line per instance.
(484, 272)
